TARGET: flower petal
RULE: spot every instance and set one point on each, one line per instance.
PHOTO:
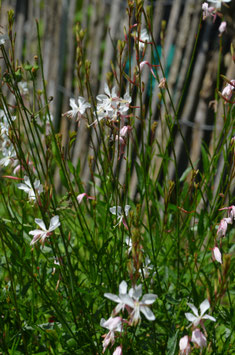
(41, 224)
(206, 316)
(81, 196)
(127, 300)
(184, 343)
(112, 297)
(37, 237)
(149, 298)
(137, 292)
(216, 255)
(193, 308)
(204, 306)
(118, 351)
(190, 317)
(102, 322)
(123, 287)
(36, 232)
(126, 209)
(147, 312)
(23, 187)
(73, 104)
(116, 210)
(106, 90)
(101, 97)
(54, 223)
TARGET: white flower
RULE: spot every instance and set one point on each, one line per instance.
(111, 106)
(196, 319)
(218, 3)
(198, 338)
(115, 298)
(27, 187)
(132, 300)
(56, 262)
(184, 345)
(147, 267)
(144, 37)
(125, 102)
(113, 325)
(4, 125)
(43, 233)
(9, 156)
(77, 110)
(23, 88)
(117, 211)
(109, 101)
(216, 255)
(128, 242)
(3, 39)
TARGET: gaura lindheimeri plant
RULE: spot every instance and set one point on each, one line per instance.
(216, 255)
(129, 154)
(228, 90)
(131, 302)
(9, 156)
(77, 110)
(110, 106)
(29, 189)
(113, 325)
(43, 233)
(81, 196)
(208, 11)
(195, 319)
(144, 38)
(231, 212)
(184, 345)
(128, 242)
(198, 338)
(115, 298)
(223, 226)
(132, 299)
(117, 211)
(121, 138)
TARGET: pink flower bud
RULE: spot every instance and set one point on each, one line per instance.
(208, 11)
(118, 351)
(199, 338)
(222, 228)
(232, 212)
(184, 345)
(216, 255)
(222, 26)
(125, 130)
(228, 90)
(80, 197)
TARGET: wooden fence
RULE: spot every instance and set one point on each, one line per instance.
(104, 20)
